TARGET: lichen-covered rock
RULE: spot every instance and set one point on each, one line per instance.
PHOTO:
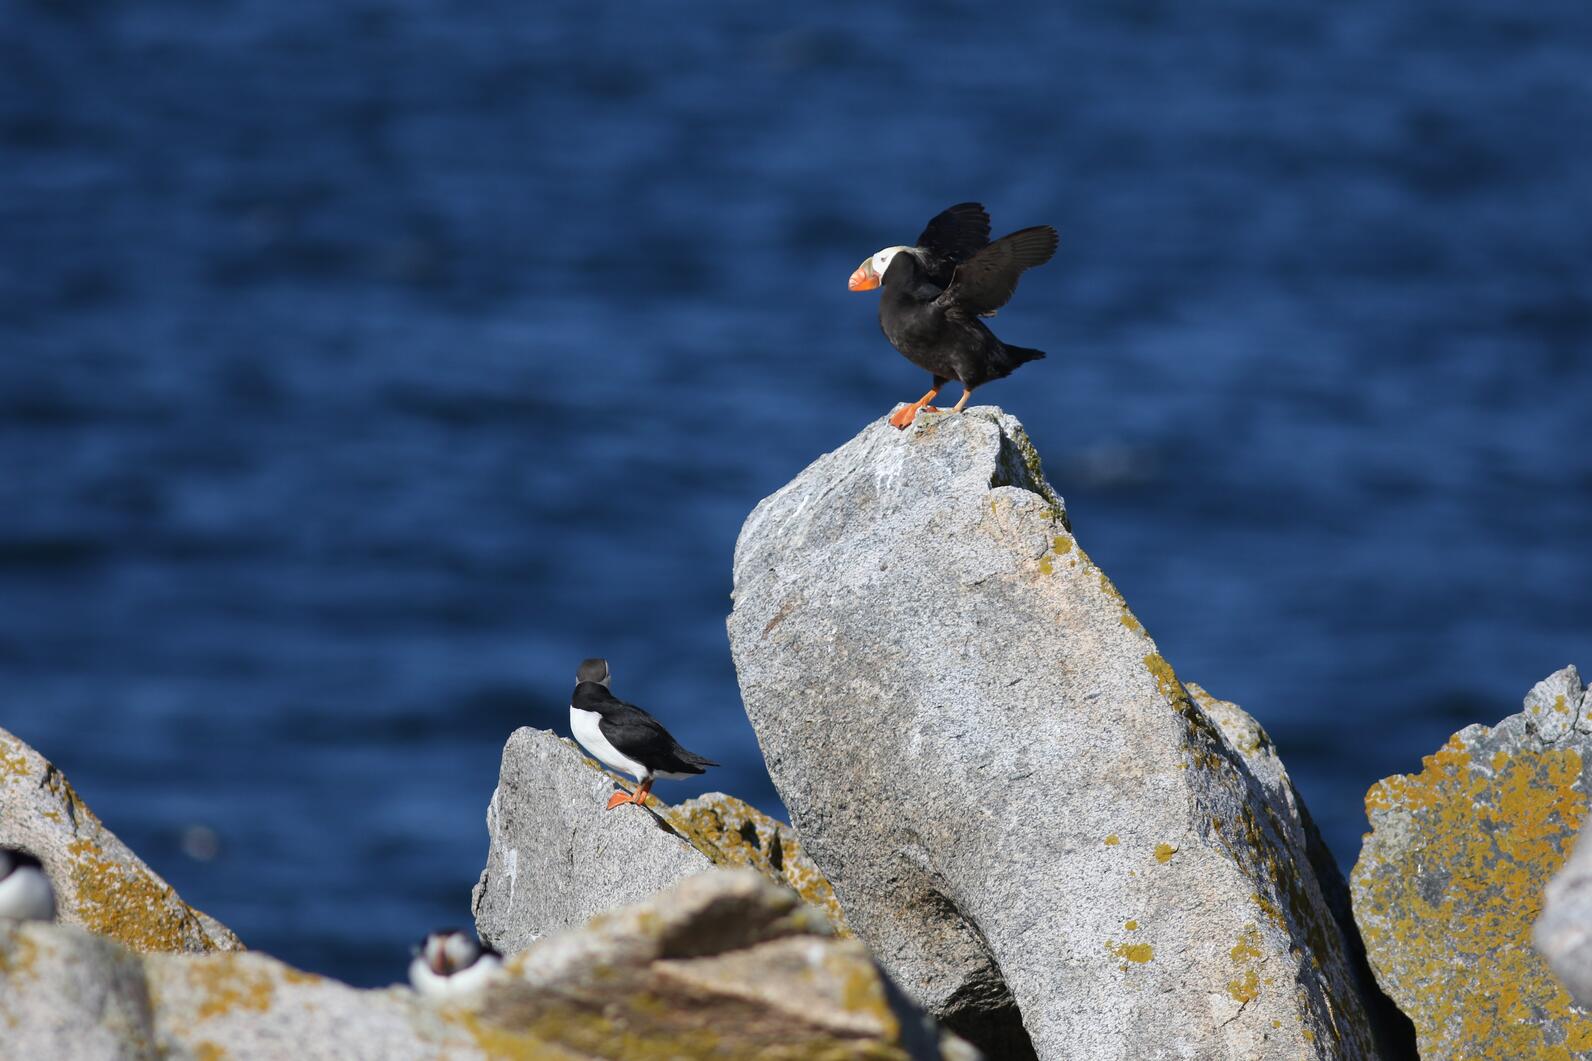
(1451, 878)
(99, 883)
(733, 833)
(557, 856)
(1563, 933)
(726, 964)
(1039, 833)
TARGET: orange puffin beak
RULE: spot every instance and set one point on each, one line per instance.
(864, 279)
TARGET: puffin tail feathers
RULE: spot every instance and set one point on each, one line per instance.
(697, 763)
(1021, 355)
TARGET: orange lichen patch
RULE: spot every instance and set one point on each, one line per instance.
(1245, 953)
(19, 962)
(1131, 926)
(124, 901)
(1246, 988)
(1061, 544)
(1137, 953)
(1446, 897)
(225, 984)
(206, 1050)
(1166, 682)
(1164, 852)
(13, 760)
(1112, 841)
(732, 833)
(1248, 946)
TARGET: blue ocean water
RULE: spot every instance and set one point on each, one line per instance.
(364, 366)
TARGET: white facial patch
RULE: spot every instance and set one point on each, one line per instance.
(881, 260)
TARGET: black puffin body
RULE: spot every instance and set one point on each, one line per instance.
(624, 737)
(934, 294)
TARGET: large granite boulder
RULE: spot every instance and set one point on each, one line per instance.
(1450, 880)
(1042, 836)
(726, 964)
(557, 856)
(1563, 933)
(99, 883)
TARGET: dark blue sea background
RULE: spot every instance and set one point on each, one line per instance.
(364, 366)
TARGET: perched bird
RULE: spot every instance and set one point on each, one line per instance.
(25, 890)
(449, 963)
(935, 292)
(623, 737)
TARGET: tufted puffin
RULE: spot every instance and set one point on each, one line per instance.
(935, 292)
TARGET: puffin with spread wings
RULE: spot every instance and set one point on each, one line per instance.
(935, 292)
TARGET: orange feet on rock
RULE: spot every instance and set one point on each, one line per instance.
(619, 797)
(903, 417)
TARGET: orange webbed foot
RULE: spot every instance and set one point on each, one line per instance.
(903, 417)
(619, 798)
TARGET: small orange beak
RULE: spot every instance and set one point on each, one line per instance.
(864, 279)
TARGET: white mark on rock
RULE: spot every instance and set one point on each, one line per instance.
(512, 864)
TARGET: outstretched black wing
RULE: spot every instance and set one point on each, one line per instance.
(956, 233)
(985, 282)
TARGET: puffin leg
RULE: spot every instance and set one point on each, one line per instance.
(909, 413)
(967, 392)
(619, 798)
(639, 797)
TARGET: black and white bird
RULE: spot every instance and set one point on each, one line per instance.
(25, 890)
(449, 963)
(936, 292)
(625, 738)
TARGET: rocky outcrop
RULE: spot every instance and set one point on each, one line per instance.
(1024, 813)
(557, 856)
(1451, 878)
(99, 883)
(725, 964)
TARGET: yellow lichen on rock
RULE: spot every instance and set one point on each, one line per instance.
(225, 984)
(1450, 881)
(1137, 953)
(733, 833)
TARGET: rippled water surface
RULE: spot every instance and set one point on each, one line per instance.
(363, 366)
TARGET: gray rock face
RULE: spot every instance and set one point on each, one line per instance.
(1563, 933)
(556, 856)
(726, 964)
(99, 883)
(1018, 804)
(1451, 878)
